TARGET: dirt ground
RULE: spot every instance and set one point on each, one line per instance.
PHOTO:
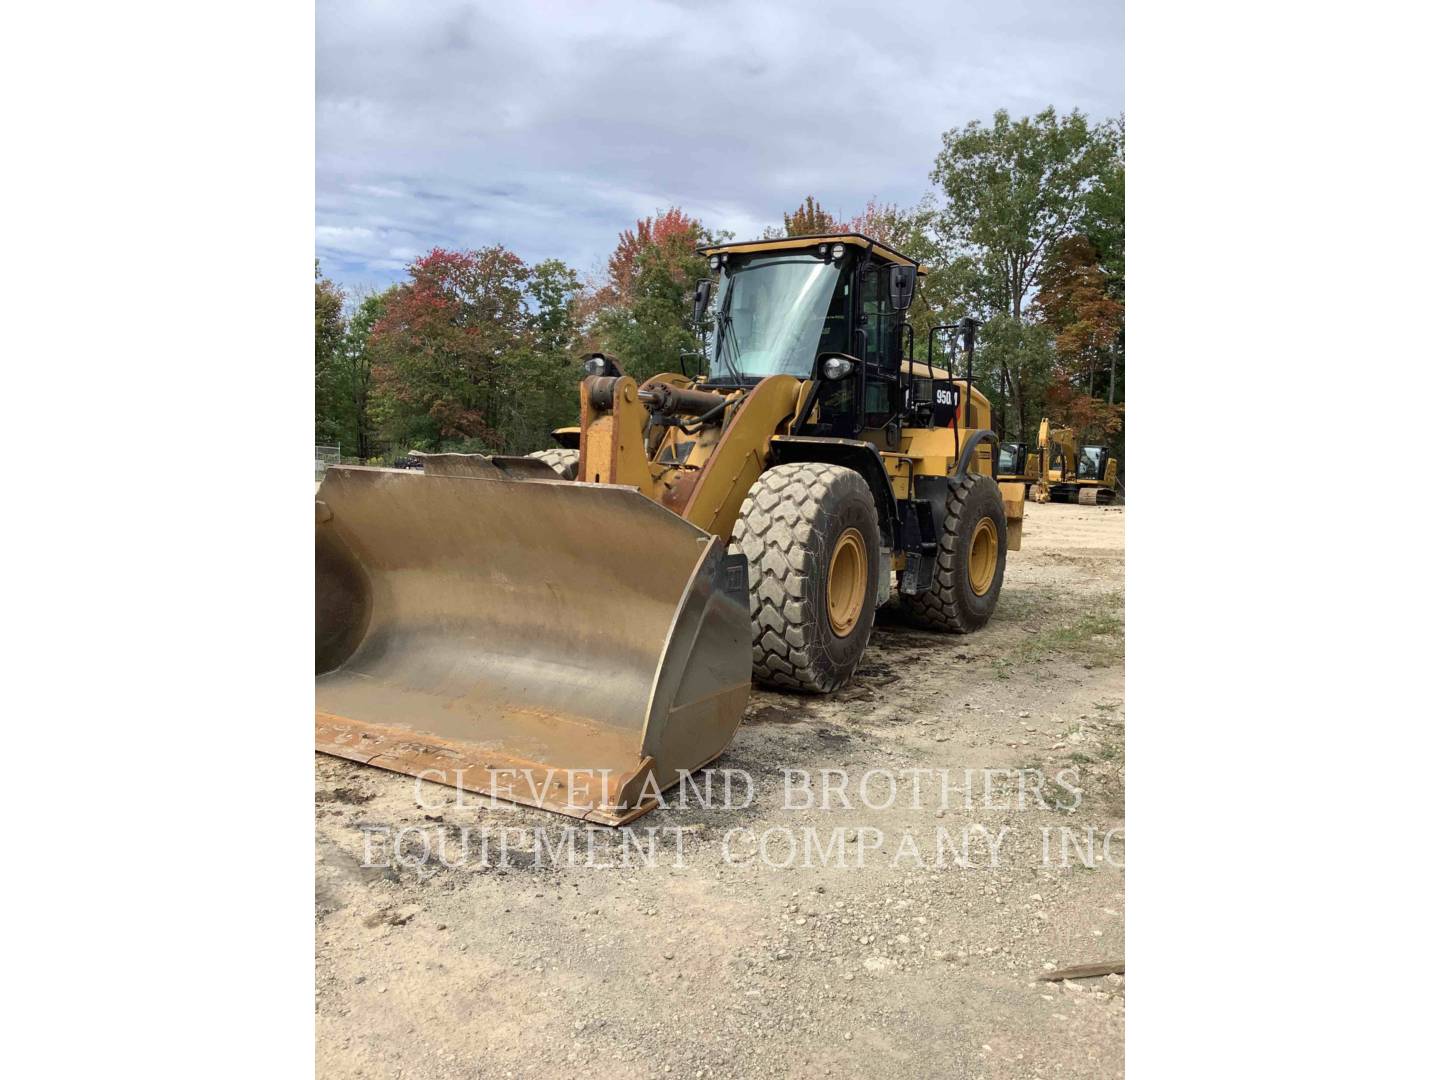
(769, 937)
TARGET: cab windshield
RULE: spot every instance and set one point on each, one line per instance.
(1088, 467)
(772, 315)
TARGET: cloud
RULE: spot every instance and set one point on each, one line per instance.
(550, 126)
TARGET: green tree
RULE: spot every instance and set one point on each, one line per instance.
(329, 340)
(1102, 217)
(354, 368)
(546, 374)
(1012, 192)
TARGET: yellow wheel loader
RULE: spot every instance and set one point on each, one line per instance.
(1086, 474)
(578, 629)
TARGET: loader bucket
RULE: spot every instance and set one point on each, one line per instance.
(570, 646)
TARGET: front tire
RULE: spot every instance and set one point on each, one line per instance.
(812, 537)
(970, 563)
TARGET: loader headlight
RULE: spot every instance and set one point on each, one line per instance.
(837, 251)
(714, 262)
(595, 365)
(836, 368)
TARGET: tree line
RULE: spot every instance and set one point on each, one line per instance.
(478, 350)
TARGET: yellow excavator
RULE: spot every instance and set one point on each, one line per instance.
(1027, 465)
(578, 630)
(1073, 472)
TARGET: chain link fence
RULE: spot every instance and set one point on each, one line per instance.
(325, 456)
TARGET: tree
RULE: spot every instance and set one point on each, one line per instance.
(1103, 223)
(354, 368)
(644, 307)
(476, 352)
(548, 373)
(668, 238)
(907, 231)
(447, 337)
(1076, 302)
(1012, 192)
(1013, 362)
(810, 219)
(329, 336)
(1102, 217)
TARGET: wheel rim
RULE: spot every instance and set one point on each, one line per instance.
(845, 585)
(984, 555)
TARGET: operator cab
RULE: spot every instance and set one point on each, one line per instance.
(1012, 458)
(829, 308)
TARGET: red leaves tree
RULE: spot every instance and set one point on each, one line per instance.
(1077, 303)
(642, 312)
(446, 338)
(885, 222)
(669, 239)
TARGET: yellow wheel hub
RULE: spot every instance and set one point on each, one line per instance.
(984, 556)
(845, 585)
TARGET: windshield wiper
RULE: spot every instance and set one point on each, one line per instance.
(723, 322)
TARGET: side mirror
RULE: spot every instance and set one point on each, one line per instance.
(902, 287)
(702, 300)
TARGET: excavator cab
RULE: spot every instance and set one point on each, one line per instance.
(1083, 473)
(1012, 459)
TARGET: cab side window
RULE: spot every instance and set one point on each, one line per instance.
(832, 337)
(880, 324)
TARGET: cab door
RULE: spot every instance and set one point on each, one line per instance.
(881, 326)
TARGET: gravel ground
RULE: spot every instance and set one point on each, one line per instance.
(861, 950)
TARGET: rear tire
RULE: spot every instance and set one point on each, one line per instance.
(971, 554)
(812, 537)
(565, 462)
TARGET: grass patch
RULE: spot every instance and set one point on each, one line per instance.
(1095, 637)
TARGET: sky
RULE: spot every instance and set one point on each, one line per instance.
(549, 126)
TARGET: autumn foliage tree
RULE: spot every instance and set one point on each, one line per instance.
(666, 242)
(1077, 304)
(643, 308)
(468, 350)
(809, 219)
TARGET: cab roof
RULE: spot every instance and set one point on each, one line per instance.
(875, 247)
